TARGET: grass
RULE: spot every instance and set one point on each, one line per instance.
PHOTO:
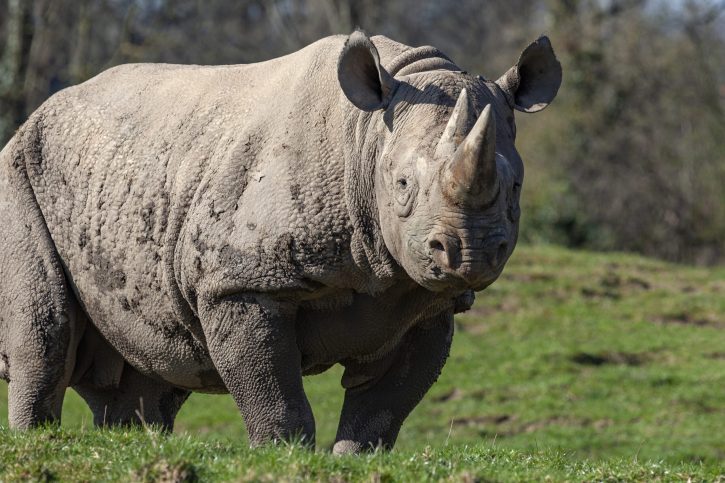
(573, 366)
(148, 456)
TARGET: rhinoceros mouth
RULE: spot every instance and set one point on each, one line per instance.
(470, 270)
(437, 280)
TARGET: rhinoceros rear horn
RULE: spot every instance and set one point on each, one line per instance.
(364, 81)
(534, 81)
(470, 178)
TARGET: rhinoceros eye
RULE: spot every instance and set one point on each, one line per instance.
(404, 196)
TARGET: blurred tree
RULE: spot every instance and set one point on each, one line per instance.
(17, 29)
(641, 152)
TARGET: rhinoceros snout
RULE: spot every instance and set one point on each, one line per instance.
(462, 265)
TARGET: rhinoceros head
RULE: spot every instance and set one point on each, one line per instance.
(447, 174)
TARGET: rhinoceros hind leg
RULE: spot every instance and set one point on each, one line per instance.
(37, 361)
(38, 315)
(137, 400)
(36, 384)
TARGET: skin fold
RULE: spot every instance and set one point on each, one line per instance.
(173, 228)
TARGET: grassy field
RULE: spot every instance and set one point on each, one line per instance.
(573, 366)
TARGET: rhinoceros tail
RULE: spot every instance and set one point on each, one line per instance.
(3, 367)
(5, 164)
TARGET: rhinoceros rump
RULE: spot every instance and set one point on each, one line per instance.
(174, 228)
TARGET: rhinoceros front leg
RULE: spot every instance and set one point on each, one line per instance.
(252, 342)
(375, 406)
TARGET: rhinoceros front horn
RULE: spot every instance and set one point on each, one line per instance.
(469, 179)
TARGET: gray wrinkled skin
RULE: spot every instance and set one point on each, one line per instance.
(171, 228)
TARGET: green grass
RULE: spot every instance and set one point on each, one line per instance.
(573, 366)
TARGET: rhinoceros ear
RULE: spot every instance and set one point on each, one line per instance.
(534, 81)
(363, 80)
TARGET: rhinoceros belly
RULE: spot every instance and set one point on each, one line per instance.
(154, 341)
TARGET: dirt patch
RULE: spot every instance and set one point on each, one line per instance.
(509, 425)
(684, 318)
(639, 283)
(590, 292)
(165, 472)
(598, 424)
(634, 266)
(473, 421)
(528, 277)
(474, 328)
(614, 286)
(603, 358)
(483, 311)
(508, 305)
(453, 395)
(717, 286)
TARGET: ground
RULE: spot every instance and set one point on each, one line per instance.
(573, 366)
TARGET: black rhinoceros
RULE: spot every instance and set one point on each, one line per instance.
(178, 228)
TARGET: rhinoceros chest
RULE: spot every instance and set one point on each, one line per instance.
(348, 325)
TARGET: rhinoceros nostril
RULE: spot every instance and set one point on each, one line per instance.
(436, 245)
(441, 250)
(501, 252)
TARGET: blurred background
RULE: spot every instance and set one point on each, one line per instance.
(630, 157)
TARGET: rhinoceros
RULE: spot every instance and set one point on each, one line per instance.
(231, 229)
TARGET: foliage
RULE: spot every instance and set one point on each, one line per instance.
(641, 152)
(574, 365)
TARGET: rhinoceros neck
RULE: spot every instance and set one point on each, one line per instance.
(367, 246)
